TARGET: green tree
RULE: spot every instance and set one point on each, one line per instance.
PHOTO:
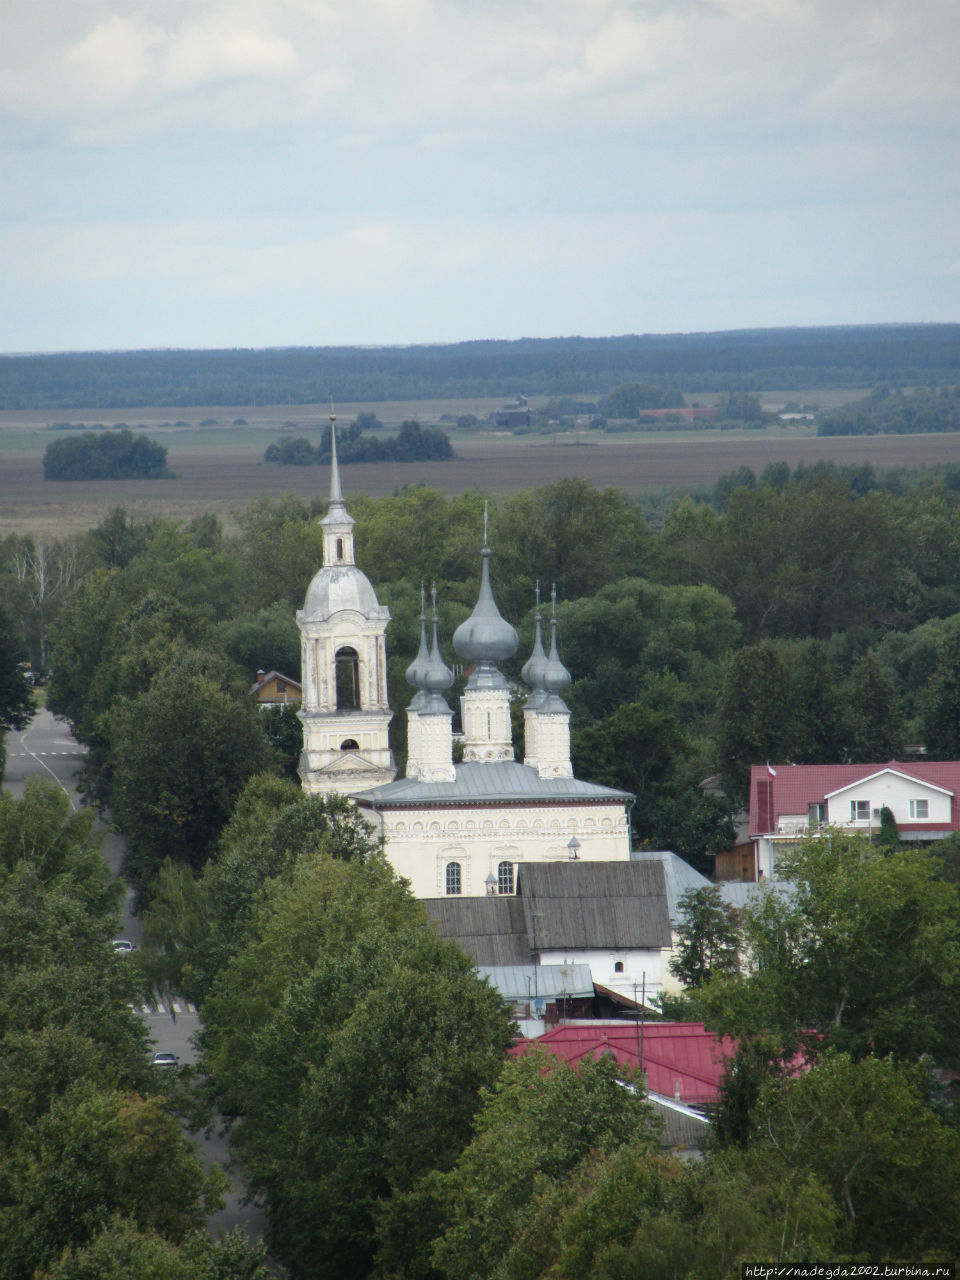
(374, 1038)
(16, 701)
(862, 952)
(181, 752)
(892, 1166)
(95, 1154)
(941, 704)
(540, 1125)
(708, 939)
(754, 715)
(876, 727)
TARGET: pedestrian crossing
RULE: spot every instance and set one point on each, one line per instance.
(172, 1006)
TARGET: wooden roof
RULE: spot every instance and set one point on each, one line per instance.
(571, 906)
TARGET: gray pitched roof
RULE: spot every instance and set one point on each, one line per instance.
(490, 930)
(489, 783)
(567, 906)
(594, 904)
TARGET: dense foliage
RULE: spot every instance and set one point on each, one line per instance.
(747, 360)
(94, 1168)
(886, 412)
(412, 443)
(105, 455)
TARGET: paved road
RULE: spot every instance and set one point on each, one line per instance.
(46, 748)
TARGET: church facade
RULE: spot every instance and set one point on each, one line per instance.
(448, 828)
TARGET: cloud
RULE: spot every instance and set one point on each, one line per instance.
(216, 48)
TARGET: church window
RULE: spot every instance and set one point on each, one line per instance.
(339, 548)
(505, 877)
(349, 744)
(454, 878)
(348, 679)
(618, 967)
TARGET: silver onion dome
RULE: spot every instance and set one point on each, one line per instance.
(485, 638)
(555, 675)
(535, 665)
(418, 668)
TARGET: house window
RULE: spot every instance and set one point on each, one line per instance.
(505, 877)
(817, 815)
(454, 878)
(859, 810)
(919, 808)
(618, 967)
(281, 687)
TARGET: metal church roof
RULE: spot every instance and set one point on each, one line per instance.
(489, 783)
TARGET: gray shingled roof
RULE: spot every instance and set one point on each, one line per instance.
(490, 930)
(594, 904)
(567, 906)
(489, 783)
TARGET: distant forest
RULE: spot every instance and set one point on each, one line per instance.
(744, 360)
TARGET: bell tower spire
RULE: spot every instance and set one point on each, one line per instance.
(346, 710)
(337, 524)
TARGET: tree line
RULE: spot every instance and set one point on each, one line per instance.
(747, 360)
(412, 443)
(896, 412)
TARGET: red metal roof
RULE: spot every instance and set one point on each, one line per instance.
(676, 1055)
(797, 786)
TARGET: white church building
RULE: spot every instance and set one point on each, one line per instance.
(448, 828)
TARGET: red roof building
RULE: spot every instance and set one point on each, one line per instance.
(791, 800)
(682, 1060)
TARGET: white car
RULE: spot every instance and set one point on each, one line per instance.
(123, 946)
(166, 1060)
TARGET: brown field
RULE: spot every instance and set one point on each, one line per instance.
(222, 470)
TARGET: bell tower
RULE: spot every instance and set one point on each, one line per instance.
(345, 710)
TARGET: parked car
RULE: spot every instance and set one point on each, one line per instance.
(166, 1060)
(123, 946)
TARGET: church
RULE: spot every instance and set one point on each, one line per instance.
(448, 828)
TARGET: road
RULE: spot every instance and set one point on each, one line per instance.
(47, 749)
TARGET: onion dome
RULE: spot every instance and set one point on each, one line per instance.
(438, 675)
(485, 638)
(535, 665)
(555, 675)
(419, 667)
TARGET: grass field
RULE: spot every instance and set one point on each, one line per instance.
(221, 468)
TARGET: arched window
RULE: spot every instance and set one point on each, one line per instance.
(339, 548)
(505, 877)
(348, 679)
(454, 878)
(348, 744)
(618, 967)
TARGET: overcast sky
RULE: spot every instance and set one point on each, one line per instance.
(299, 172)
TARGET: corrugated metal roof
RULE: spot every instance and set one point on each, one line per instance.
(547, 981)
(796, 787)
(677, 1056)
(491, 783)
(678, 875)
